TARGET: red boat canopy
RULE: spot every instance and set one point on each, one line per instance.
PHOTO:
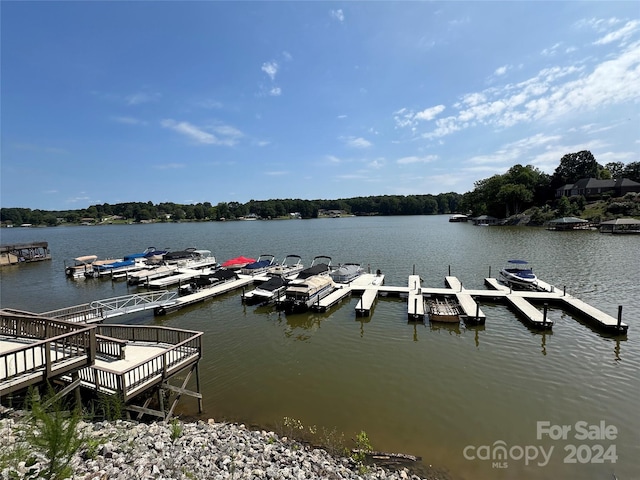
(238, 262)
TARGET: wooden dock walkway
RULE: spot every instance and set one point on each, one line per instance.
(332, 299)
(415, 304)
(181, 275)
(470, 309)
(595, 316)
(365, 304)
(204, 294)
(529, 313)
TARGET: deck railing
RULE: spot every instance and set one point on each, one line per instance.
(182, 348)
(49, 346)
(78, 314)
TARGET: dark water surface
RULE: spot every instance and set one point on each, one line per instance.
(452, 395)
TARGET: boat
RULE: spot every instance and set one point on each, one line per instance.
(208, 280)
(152, 273)
(299, 297)
(80, 266)
(458, 217)
(115, 266)
(518, 273)
(261, 265)
(443, 310)
(346, 273)
(267, 292)
(85, 264)
(291, 265)
(320, 265)
(238, 262)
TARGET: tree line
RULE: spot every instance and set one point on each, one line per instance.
(265, 209)
(519, 189)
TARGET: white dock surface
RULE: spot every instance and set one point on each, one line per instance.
(415, 306)
(531, 313)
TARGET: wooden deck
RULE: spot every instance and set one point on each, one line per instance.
(34, 350)
(122, 360)
(151, 355)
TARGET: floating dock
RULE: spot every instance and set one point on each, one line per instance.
(365, 304)
(204, 294)
(325, 303)
(181, 275)
(531, 314)
(415, 304)
(525, 302)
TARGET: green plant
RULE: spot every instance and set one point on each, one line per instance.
(359, 453)
(176, 429)
(111, 407)
(53, 432)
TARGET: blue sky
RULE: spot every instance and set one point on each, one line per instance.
(192, 102)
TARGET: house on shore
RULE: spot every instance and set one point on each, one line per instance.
(593, 187)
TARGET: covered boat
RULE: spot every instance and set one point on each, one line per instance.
(300, 296)
(238, 262)
(259, 266)
(346, 273)
(321, 265)
(517, 272)
(267, 292)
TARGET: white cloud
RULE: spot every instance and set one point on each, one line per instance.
(141, 97)
(275, 92)
(277, 173)
(550, 94)
(416, 159)
(358, 142)
(337, 14)
(129, 120)
(408, 118)
(227, 135)
(429, 113)
(621, 34)
(271, 69)
(501, 70)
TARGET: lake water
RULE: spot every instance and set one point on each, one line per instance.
(447, 394)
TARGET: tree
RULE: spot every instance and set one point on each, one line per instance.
(632, 171)
(574, 166)
(514, 196)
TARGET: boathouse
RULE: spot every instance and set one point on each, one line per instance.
(620, 225)
(24, 252)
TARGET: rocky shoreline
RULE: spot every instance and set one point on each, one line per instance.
(125, 450)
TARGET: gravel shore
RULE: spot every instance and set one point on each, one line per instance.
(123, 450)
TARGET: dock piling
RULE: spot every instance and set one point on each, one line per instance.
(564, 291)
(619, 316)
(477, 310)
(544, 315)
(449, 270)
(489, 271)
